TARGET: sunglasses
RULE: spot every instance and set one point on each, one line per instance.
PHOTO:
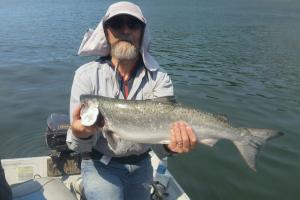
(118, 23)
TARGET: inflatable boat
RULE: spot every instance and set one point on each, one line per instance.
(57, 176)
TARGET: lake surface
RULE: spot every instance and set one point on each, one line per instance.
(234, 57)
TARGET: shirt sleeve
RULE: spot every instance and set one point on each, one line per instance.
(163, 86)
(81, 85)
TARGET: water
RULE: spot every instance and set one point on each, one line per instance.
(236, 57)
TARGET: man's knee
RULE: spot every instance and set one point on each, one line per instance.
(99, 186)
(103, 192)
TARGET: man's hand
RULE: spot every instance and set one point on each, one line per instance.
(80, 130)
(183, 138)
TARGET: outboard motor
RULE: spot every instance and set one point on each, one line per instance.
(63, 161)
(57, 127)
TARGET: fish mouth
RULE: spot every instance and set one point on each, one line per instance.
(88, 115)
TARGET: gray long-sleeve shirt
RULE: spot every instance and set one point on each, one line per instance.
(99, 78)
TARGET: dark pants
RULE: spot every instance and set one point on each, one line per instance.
(5, 191)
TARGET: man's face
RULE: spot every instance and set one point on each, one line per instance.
(124, 34)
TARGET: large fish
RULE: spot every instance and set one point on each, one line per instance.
(149, 121)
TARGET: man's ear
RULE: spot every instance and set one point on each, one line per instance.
(142, 36)
(106, 35)
(105, 31)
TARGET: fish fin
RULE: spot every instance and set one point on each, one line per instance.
(257, 139)
(248, 153)
(166, 99)
(210, 142)
(112, 138)
(163, 142)
(222, 118)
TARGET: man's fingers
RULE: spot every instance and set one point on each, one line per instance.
(192, 137)
(173, 139)
(185, 137)
(179, 141)
(82, 130)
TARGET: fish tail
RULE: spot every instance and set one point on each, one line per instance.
(256, 139)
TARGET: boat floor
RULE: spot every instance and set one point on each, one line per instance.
(19, 170)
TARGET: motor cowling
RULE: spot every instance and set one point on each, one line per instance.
(56, 133)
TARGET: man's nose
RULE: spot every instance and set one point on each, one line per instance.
(125, 29)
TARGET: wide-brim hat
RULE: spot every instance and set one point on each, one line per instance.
(94, 42)
(124, 8)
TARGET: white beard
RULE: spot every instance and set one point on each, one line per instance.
(124, 50)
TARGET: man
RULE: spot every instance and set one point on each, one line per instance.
(125, 70)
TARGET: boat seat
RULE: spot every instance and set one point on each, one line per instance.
(42, 189)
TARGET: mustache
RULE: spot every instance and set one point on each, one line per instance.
(125, 38)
